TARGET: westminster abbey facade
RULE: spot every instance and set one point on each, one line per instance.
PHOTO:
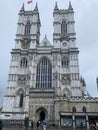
(44, 81)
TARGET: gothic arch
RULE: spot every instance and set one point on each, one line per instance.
(64, 27)
(23, 62)
(27, 28)
(41, 113)
(44, 73)
(19, 98)
(84, 109)
(74, 109)
(20, 91)
(65, 61)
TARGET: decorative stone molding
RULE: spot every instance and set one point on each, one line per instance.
(65, 79)
(22, 79)
(66, 92)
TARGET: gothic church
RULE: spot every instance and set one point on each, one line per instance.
(44, 80)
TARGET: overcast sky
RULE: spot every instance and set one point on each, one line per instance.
(86, 27)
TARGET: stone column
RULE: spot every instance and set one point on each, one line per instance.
(87, 121)
(73, 119)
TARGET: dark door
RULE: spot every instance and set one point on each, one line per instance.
(42, 115)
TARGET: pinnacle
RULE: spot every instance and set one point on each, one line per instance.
(70, 6)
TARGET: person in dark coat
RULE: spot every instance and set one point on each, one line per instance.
(81, 125)
(1, 124)
(31, 125)
(37, 124)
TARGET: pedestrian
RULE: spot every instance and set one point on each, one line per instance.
(31, 125)
(1, 124)
(97, 125)
(44, 124)
(37, 124)
(81, 125)
(26, 122)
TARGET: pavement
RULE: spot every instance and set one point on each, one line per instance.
(23, 128)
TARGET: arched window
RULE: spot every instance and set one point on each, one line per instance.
(74, 109)
(84, 109)
(21, 100)
(27, 28)
(65, 61)
(23, 63)
(63, 28)
(44, 74)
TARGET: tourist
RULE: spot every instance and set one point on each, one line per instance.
(37, 124)
(44, 124)
(31, 125)
(81, 125)
(1, 124)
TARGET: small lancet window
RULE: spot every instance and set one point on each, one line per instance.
(65, 61)
(23, 63)
(84, 109)
(74, 109)
(21, 100)
(27, 28)
(63, 28)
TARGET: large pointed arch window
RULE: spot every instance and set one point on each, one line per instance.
(44, 74)
(63, 28)
(27, 28)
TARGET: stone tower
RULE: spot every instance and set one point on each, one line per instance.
(42, 75)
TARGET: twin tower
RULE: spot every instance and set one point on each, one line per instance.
(44, 78)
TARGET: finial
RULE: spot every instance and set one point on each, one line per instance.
(22, 8)
(56, 6)
(70, 6)
(36, 7)
(84, 84)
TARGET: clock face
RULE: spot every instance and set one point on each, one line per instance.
(25, 44)
(64, 44)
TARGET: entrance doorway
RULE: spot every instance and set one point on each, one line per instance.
(42, 115)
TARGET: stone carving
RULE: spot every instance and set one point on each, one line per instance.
(25, 44)
(45, 43)
(55, 57)
(55, 75)
(21, 79)
(28, 77)
(65, 79)
(66, 92)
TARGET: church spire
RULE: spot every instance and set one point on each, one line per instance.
(70, 6)
(56, 6)
(36, 7)
(22, 8)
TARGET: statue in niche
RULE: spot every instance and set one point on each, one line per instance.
(22, 79)
(65, 78)
(55, 76)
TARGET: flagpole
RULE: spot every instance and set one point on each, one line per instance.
(30, 2)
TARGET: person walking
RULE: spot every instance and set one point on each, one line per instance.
(37, 124)
(31, 125)
(44, 124)
(1, 124)
(81, 125)
(26, 122)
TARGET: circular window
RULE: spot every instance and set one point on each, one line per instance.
(64, 44)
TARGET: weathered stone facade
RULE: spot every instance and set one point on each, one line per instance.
(44, 79)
